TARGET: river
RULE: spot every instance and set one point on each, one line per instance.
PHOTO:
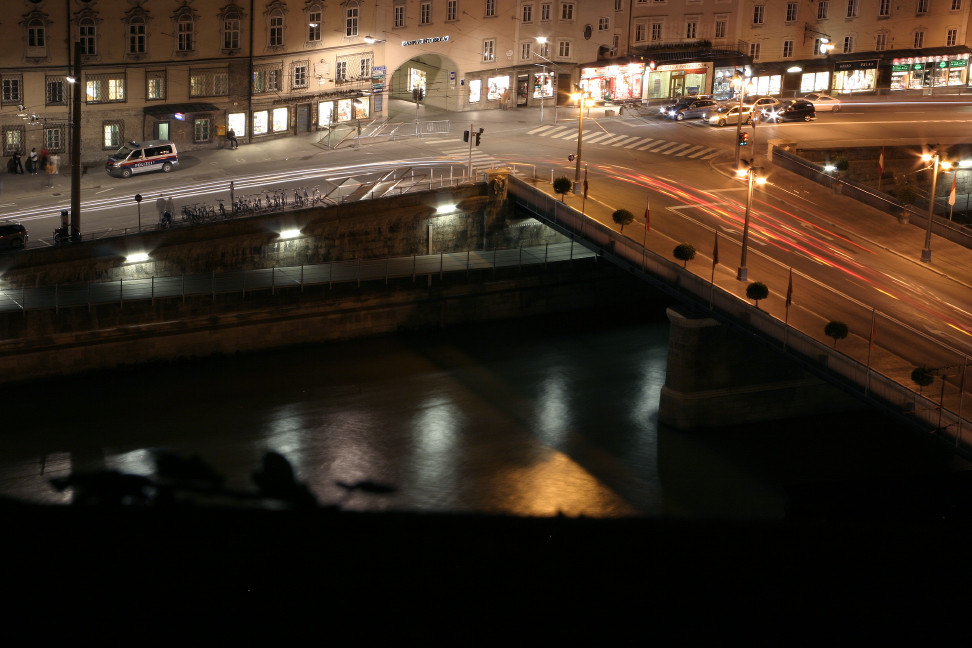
(532, 417)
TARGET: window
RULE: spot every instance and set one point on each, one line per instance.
(956, 5)
(364, 68)
(656, 31)
(919, 39)
(618, 5)
(186, 31)
(545, 12)
(544, 50)
(399, 16)
(276, 28)
(563, 49)
(208, 83)
(691, 29)
(300, 74)
(54, 139)
(136, 35)
(86, 35)
(720, 28)
(641, 30)
(425, 13)
(341, 71)
(823, 9)
(36, 37)
(201, 131)
(351, 22)
(754, 51)
(881, 42)
(884, 8)
(452, 9)
(848, 44)
(314, 25)
(489, 50)
(758, 13)
(615, 44)
(791, 11)
(13, 139)
(266, 78)
(852, 8)
(231, 30)
(12, 84)
(567, 11)
(54, 95)
(787, 49)
(951, 36)
(113, 134)
(490, 8)
(525, 53)
(104, 88)
(603, 23)
(155, 84)
(527, 14)
(922, 7)
(818, 45)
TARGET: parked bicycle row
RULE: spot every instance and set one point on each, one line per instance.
(247, 204)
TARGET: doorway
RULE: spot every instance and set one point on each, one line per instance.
(677, 87)
(161, 130)
(521, 90)
(303, 118)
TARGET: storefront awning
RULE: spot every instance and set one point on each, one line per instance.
(168, 109)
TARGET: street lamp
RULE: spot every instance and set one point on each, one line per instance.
(944, 164)
(751, 171)
(741, 83)
(581, 99)
(542, 40)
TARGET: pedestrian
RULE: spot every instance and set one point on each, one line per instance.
(17, 166)
(231, 138)
(50, 168)
(32, 161)
(160, 205)
(55, 162)
(169, 205)
(505, 99)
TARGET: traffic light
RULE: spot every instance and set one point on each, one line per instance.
(570, 157)
(478, 134)
(743, 139)
(465, 136)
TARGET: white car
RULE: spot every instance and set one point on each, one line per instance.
(822, 102)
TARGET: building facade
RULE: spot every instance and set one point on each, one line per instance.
(190, 70)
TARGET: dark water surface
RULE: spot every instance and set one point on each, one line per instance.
(539, 416)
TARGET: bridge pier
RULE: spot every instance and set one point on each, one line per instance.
(717, 377)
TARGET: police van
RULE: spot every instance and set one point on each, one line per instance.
(154, 155)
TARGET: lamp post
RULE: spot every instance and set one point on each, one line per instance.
(928, 157)
(75, 228)
(580, 97)
(743, 272)
(542, 40)
(742, 83)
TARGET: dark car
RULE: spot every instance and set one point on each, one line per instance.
(792, 110)
(695, 110)
(13, 236)
(669, 110)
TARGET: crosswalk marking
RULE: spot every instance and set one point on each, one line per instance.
(690, 149)
(663, 147)
(635, 142)
(536, 131)
(648, 142)
(599, 137)
(625, 140)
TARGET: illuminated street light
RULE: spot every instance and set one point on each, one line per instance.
(944, 164)
(581, 99)
(742, 84)
(751, 171)
(543, 83)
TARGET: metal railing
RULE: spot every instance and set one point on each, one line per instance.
(123, 291)
(862, 365)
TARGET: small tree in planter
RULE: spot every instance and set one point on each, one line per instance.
(906, 194)
(622, 217)
(923, 377)
(562, 185)
(684, 252)
(756, 291)
(836, 330)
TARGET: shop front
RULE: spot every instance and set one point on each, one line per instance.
(613, 82)
(855, 76)
(924, 72)
(673, 80)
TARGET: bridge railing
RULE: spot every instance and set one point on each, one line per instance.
(855, 366)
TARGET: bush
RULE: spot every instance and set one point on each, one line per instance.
(562, 185)
(923, 377)
(906, 194)
(836, 330)
(622, 217)
(756, 291)
(684, 252)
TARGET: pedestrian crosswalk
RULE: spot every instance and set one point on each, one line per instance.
(635, 143)
(460, 153)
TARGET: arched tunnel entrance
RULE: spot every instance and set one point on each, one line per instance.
(434, 75)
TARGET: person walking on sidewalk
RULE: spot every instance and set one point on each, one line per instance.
(32, 162)
(53, 162)
(16, 166)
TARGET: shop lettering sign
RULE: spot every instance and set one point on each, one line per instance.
(426, 41)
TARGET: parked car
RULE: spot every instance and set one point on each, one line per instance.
(792, 110)
(695, 110)
(13, 236)
(822, 102)
(730, 114)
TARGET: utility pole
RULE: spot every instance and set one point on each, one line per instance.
(76, 146)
